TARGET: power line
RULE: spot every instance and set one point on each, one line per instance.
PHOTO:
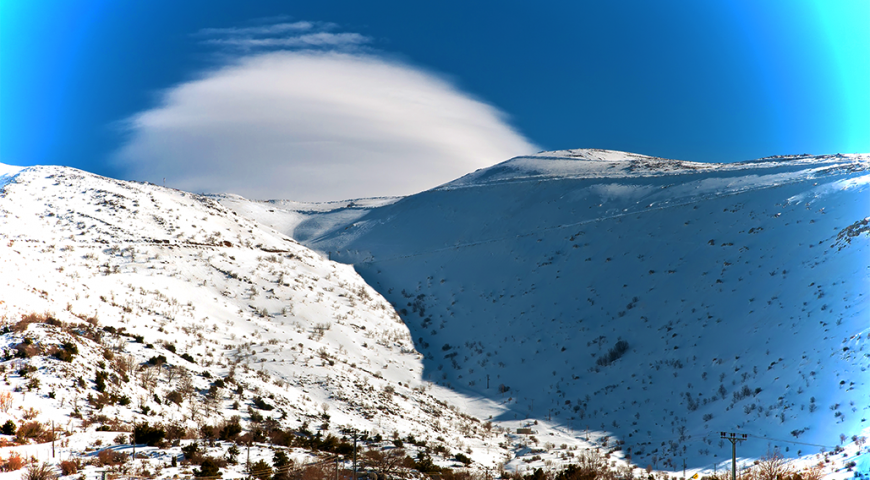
(790, 441)
(781, 440)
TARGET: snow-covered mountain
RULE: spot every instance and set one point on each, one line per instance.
(654, 301)
(162, 293)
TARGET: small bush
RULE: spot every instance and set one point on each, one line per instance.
(208, 468)
(230, 430)
(613, 354)
(26, 349)
(110, 458)
(15, 462)
(157, 361)
(742, 393)
(8, 428)
(261, 404)
(34, 430)
(100, 381)
(175, 397)
(39, 471)
(144, 433)
(26, 320)
(65, 352)
(261, 470)
(192, 453)
(68, 467)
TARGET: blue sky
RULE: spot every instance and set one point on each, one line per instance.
(101, 86)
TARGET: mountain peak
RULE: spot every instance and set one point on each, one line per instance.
(592, 154)
(576, 163)
(580, 164)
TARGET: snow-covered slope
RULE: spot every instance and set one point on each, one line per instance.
(129, 272)
(300, 220)
(654, 300)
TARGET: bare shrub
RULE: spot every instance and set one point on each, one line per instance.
(34, 430)
(815, 472)
(124, 365)
(5, 401)
(13, 463)
(39, 471)
(589, 466)
(613, 354)
(30, 413)
(387, 462)
(26, 320)
(110, 458)
(772, 466)
(68, 467)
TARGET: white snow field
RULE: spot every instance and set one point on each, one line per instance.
(128, 272)
(651, 302)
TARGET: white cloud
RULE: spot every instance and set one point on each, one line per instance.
(319, 39)
(273, 29)
(283, 35)
(315, 126)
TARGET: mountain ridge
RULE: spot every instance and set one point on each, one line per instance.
(555, 251)
(528, 301)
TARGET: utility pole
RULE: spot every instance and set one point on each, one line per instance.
(52, 439)
(248, 461)
(684, 469)
(354, 454)
(733, 438)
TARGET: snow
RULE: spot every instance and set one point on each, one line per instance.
(179, 271)
(7, 173)
(522, 276)
(303, 220)
(717, 275)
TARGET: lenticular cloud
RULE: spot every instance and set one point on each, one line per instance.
(315, 126)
